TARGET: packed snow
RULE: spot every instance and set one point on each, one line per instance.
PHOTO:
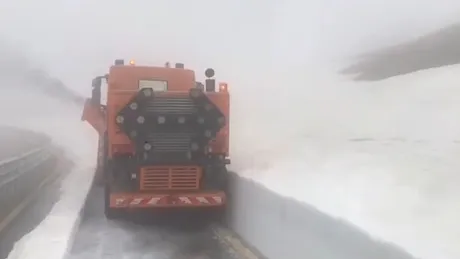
(381, 155)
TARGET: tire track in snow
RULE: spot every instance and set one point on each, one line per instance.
(98, 237)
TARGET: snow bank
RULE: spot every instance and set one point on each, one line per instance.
(381, 155)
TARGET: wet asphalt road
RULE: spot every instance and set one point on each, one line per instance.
(30, 217)
(13, 143)
(141, 238)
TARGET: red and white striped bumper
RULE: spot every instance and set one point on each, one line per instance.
(142, 200)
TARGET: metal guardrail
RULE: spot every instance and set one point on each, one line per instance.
(13, 167)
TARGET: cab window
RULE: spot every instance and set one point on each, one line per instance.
(155, 84)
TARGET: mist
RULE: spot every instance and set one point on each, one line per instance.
(241, 40)
(281, 60)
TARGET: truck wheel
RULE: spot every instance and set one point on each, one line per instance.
(217, 178)
(102, 161)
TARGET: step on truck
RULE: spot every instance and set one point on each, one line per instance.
(163, 139)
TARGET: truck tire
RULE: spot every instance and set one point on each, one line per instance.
(102, 160)
(110, 213)
(98, 178)
(218, 179)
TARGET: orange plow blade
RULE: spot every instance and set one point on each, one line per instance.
(94, 116)
(143, 200)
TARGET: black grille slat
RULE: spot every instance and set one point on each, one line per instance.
(171, 105)
(170, 142)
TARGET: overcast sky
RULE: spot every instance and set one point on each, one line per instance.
(77, 40)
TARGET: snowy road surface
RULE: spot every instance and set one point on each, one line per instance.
(99, 238)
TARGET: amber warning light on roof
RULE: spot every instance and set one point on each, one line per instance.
(223, 87)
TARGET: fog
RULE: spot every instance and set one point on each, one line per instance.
(76, 40)
(280, 59)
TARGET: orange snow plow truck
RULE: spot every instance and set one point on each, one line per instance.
(163, 138)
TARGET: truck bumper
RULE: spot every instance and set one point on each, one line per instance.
(150, 200)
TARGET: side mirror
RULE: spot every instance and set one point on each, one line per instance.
(97, 82)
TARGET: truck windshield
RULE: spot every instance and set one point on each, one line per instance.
(154, 84)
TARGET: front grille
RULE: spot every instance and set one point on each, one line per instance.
(182, 105)
(170, 178)
(170, 142)
(171, 127)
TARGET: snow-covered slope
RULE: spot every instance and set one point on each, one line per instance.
(382, 155)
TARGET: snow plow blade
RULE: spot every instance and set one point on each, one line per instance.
(95, 116)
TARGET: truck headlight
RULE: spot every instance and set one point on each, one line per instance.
(141, 119)
(147, 146)
(161, 119)
(120, 119)
(133, 106)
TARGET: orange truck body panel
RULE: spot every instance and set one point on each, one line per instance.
(94, 115)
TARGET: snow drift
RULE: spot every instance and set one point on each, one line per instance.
(382, 155)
